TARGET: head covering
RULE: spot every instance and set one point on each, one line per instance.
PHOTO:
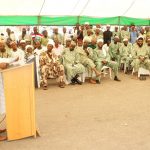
(87, 39)
(55, 27)
(94, 28)
(22, 41)
(97, 29)
(125, 39)
(100, 40)
(140, 37)
(50, 42)
(148, 39)
(27, 40)
(73, 43)
(108, 25)
(68, 39)
(28, 46)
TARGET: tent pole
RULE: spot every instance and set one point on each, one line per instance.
(39, 22)
(78, 17)
(119, 22)
(119, 26)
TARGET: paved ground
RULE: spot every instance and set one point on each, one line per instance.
(110, 116)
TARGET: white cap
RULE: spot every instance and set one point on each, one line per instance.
(22, 41)
(27, 40)
(50, 42)
(100, 40)
(108, 25)
(68, 39)
(97, 29)
(140, 37)
(125, 39)
(73, 43)
(94, 27)
(29, 46)
(55, 27)
(87, 39)
(148, 39)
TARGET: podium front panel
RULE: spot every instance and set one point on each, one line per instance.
(20, 102)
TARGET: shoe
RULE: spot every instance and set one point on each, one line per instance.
(73, 82)
(98, 82)
(45, 88)
(116, 78)
(2, 138)
(92, 81)
(78, 81)
(4, 130)
(61, 84)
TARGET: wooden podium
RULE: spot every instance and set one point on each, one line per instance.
(20, 101)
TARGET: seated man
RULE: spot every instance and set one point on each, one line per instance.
(71, 63)
(29, 52)
(3, 51)
(140, 55)
(102, 58)
(85, 55)
(39, 48)
(125, 53)
(51, 67)
(114, 50)
(17, 53)
(148, 46)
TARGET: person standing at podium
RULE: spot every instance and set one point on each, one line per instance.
(4, 63)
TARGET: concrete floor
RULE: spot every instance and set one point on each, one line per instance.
(109, 116)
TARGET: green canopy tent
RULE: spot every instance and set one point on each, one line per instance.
(56, 12)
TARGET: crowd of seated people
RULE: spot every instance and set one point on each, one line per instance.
(66, 57)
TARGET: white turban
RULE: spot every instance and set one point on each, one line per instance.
(108, 25)
(29, 46)
(125, 39)
(51, 42)
(87, 39)
(100, 40)
(73, 43)
(140, 37)
(68, 39)
(22, 41)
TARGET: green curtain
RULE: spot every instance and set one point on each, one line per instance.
(69, 20)
(18, 20)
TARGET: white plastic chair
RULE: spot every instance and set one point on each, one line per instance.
(141, 71)
(124, 66)
(104, 71)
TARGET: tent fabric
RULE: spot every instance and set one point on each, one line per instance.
(56, 12)
(69, 20)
